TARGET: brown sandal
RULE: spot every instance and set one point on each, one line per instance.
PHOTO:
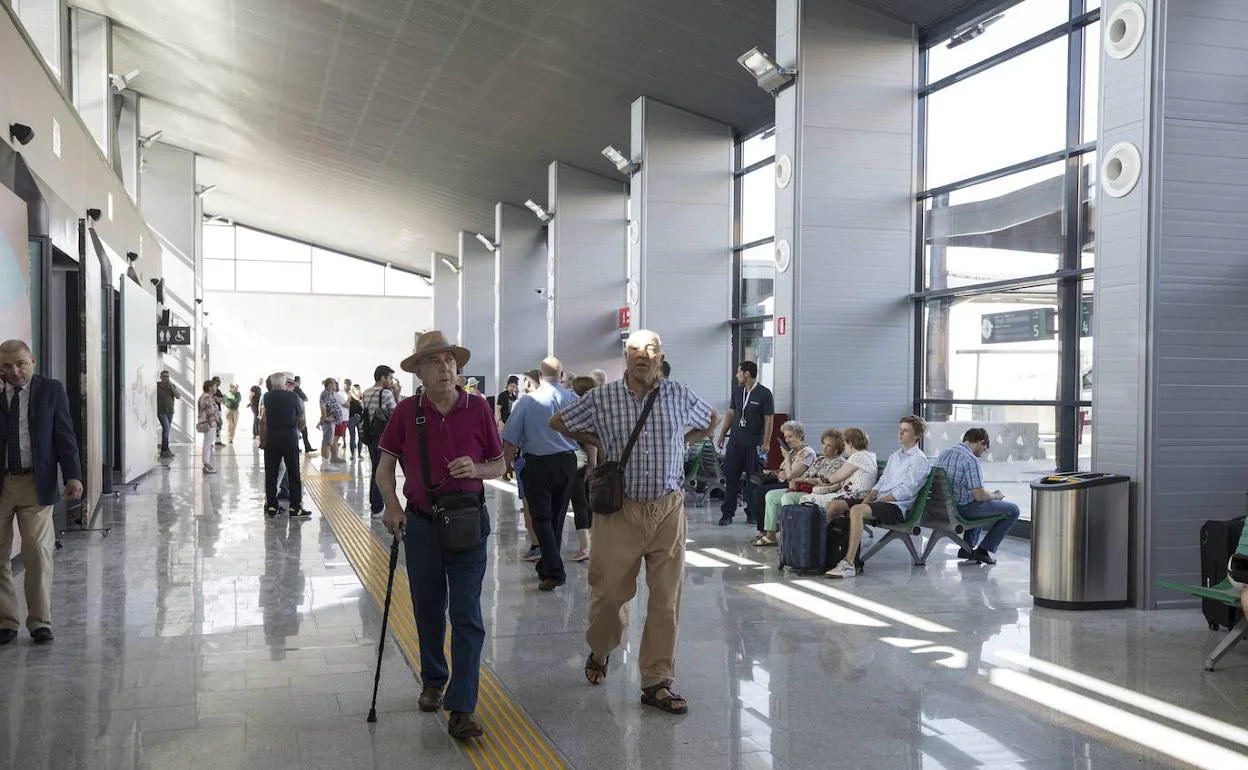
(671, 702)
(595, 672)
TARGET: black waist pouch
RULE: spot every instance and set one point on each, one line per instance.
(457, 518)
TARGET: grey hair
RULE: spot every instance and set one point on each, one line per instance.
(278, 379)
(794, 427)
(15, 346)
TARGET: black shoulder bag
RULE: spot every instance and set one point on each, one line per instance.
(606, 482)
(457, 516)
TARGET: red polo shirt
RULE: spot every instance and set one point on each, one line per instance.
(469, 429)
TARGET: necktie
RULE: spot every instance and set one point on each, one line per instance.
(12, 442)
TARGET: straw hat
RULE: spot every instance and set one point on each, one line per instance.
(434, 341)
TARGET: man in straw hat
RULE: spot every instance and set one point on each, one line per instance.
(463, 448)
(651, 525)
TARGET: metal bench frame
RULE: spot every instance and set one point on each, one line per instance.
(1227, 593)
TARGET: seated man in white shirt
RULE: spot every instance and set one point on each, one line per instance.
(890, 499)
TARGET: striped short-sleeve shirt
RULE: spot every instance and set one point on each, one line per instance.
(657, 464)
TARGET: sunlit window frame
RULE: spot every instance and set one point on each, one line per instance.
(312, 248)
(1070, 274)
(737, 322)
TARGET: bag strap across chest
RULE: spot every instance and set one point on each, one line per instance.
(641, 423)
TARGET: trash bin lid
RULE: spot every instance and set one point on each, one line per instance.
(1064, 481)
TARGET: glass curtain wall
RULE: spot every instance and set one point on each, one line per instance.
(238, 258)
(754, 270)
(1006, 243)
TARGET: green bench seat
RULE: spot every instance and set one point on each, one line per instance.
(1227, 593)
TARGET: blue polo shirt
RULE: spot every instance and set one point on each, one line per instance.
(529, 424)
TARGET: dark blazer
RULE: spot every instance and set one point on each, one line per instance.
(52, 439)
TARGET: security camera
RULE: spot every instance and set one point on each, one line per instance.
(94, 214)
(132, 257)
(199, 301)
(155, 281)
(22, 133)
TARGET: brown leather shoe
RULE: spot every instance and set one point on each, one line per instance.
(430, 698)
(462, 726)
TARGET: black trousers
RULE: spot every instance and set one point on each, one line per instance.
(547, 486)
(582, 517)
(276, 453)
(375, 501)
(739, 458)
(307, 447)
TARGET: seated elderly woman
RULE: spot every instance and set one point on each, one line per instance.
(801, 469)
(852, 479)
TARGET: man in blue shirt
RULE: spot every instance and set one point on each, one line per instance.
(962, 465)
(549, 466)
(890, 500)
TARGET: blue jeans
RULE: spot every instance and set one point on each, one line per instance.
(166, 423)
(443, 581)
(997, 532)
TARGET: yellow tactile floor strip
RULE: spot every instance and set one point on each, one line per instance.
(512, 739)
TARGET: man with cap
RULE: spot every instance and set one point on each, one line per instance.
(549, 466)
(378, 399)
(460, 447)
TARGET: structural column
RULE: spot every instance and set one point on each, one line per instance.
(588, 240)
(681, 261)
(476, 306)
(845, 138)
(172, 209)
(445, 271)
(522, 292)
(1170, 320)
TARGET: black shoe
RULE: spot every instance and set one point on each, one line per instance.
(964, 554)
(298, 513)
(549, 584)
(725, 519)
(983, 557)
(7, 635)
(271, 510)
(42, 635)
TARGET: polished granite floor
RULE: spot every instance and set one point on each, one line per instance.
(198, 634)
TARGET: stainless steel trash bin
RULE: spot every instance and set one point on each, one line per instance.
(1080, 540)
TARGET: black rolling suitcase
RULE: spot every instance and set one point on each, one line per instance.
(1217, 542)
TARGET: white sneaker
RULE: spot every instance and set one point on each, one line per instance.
(582, 554)
(209, 469)
(841, 571)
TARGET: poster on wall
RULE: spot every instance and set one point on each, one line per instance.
(140, 370)
(14, 269)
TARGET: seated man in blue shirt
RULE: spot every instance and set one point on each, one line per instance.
(962, 466)
(890, 499)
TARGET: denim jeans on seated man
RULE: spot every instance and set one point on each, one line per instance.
(998, 530)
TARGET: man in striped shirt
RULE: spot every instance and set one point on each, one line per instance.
(651, 526)
(378, 398)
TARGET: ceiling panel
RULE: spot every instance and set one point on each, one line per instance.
(382, 127)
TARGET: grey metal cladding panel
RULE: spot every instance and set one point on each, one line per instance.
(1206, 61)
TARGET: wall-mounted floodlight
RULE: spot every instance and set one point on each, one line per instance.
(94, 214)
(217, 219)
(426, 279)
(202, 191)
(487, 243)
(454, 268)
(973, 31)
(622, 163)
(122, 82)
(21, 133)
(147, 141)
(538, 211)
(769, 75)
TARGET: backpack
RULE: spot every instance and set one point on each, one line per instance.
(372, 425)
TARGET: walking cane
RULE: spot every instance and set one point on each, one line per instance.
(385, 618)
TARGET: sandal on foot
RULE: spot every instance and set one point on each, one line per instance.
(762, 540)
(595, 672)
(661, 697)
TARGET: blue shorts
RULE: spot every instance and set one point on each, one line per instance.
(519, 483)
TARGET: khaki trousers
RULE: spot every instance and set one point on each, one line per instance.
(652, 532)
(20, 502)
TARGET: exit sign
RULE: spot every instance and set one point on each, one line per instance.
(624, 317)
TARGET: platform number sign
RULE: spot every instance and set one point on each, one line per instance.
(173, 335)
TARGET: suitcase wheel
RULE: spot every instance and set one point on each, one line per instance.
(1214, 626)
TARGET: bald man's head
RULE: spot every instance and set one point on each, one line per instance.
(551, 368)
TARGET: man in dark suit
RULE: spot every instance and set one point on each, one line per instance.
(36, 436)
